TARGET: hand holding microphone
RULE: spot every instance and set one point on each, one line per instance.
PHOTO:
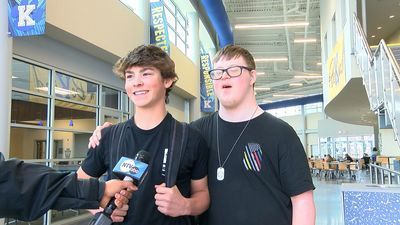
(132, 170)
(121, 190)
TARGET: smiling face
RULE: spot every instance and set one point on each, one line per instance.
(145, 86)
(233, 91)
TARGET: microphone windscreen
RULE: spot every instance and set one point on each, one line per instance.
(143, 156)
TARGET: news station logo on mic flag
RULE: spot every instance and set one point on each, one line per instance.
(158, 26)
(129, 167)
(26, 17)
(207, 99)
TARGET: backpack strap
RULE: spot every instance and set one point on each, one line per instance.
(117, 134)
(178, 141)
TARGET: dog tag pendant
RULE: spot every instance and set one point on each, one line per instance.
(220, 173)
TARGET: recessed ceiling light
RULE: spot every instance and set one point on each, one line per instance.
(269, 26)
(260, 73)
(379, 28)
(305, 40)
(262, 88)
(391, 16)
(308, 77)
(373, 36)
(271, 59)
(296, 84)
(319, 63)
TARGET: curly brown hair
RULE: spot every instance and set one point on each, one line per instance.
(148, 55)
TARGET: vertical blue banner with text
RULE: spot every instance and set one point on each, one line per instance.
(158, 26)
(207, 101)
(26, 17)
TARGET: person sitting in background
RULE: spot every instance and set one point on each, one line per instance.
(366, 160)
(348, 158)
(374, 154)
(329, 158)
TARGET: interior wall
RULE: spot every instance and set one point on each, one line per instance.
(107, 24)
(334, 128)
(56, 54)
(387, 144)
(176, 107)
(188, 73)
(394, 38)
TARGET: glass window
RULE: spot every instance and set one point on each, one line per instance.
(30, 77)
(109, 97)
(125, 117)
(10, 221)
(181, 18)
(28, 109)
(170, 18)
(76, 116)
(170, 5)
(171, 35)
(27, 143)
(70, 145)
(181, 32)
(287, 111)
(125, 102)
(75, 89)
(313, 108)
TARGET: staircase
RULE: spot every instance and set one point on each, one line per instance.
(381, 76)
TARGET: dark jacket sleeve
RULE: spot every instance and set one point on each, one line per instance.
(27, 191)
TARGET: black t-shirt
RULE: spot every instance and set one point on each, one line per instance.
(142, 208)
(267, 166)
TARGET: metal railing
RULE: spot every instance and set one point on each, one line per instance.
(378, 175)
(381, 76)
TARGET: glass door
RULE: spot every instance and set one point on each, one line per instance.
(111, 116)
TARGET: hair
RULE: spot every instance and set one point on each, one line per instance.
(148, 55)
(234, 51)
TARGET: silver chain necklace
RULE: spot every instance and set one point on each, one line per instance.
(221, 170)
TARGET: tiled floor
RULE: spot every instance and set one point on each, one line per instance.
(327, 197)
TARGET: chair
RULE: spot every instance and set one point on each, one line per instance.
(353, 167)
(318, 166)
(382, 161)
(342, 169)
(329, 172)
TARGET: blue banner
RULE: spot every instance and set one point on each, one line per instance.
(26, 17)
(159, 27)
(207, 101)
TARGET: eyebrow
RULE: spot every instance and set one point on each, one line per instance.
(219, 68)
(140, 71)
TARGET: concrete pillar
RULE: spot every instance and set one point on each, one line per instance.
(5, 79)
(193, 41)
(5, 82)
(144, 10)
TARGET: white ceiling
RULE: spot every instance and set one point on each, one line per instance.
(303, 58)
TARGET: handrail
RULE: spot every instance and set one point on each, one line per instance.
(381, 76)
(382, 171)
(392, 59)
(363, 38)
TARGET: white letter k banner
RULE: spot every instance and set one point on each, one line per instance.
(24, 12)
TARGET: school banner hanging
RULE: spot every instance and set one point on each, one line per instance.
(26, 17)
(207, 101)
(158, 26)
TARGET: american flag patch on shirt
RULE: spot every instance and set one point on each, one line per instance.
(252, 157)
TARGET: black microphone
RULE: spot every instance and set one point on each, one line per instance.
(134, 170)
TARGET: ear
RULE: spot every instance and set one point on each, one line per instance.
(168, 83)
(253, 77)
